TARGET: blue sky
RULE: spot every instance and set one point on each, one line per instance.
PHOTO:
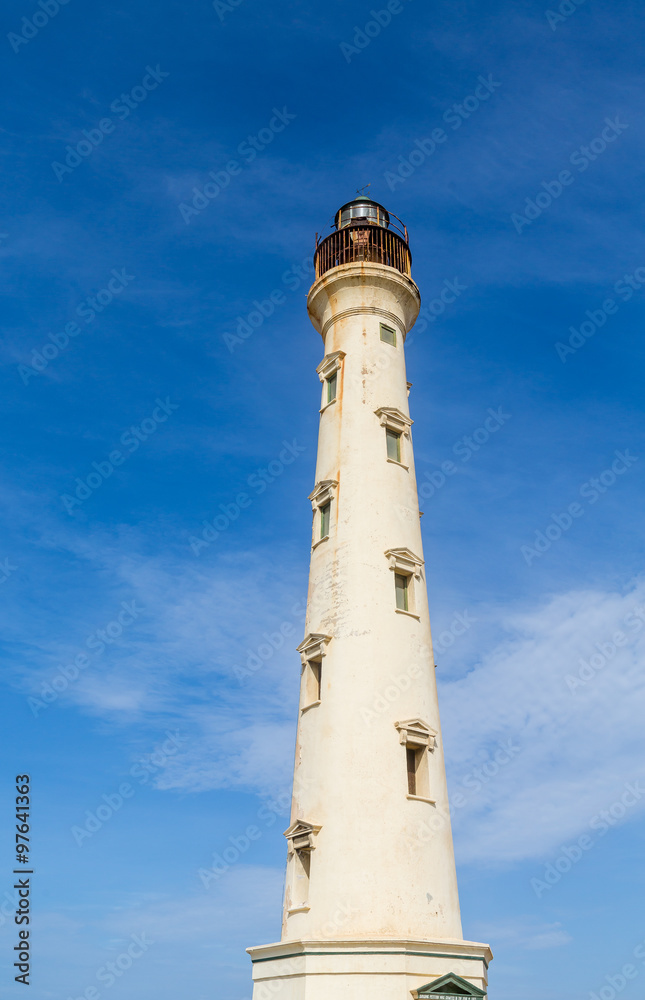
(537, 234)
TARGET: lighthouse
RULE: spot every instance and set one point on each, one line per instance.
(371, 905)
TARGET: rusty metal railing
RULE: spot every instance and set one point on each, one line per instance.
(359, 242)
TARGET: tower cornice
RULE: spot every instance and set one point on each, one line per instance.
(326, 305)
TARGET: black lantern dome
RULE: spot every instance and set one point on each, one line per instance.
(362, 210)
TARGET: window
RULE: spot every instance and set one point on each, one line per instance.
(316, 670)
(416, 759)
(397, 428)
(313, 682)
(406, 568)
(419, 741)
(325, 512)
(328, 370)
(302, 872)
(300, 837)
(312, 651)
(321, 501)
(401, 585)
(388, 335)
(412, 759)
(393, 445)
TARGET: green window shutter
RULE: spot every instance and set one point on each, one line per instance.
(393, 445)
(332, 384)
(324, 520)
(411, 761)
(401, 587)
(388, 335)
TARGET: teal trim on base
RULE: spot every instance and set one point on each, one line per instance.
(416, 954)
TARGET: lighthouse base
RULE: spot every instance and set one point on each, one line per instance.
(357, 969)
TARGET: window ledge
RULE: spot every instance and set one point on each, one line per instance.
(319, 542)
(307, 707)
(298, 909)
(410, 614)
(421, 798)
(393, 461)
(327, 405)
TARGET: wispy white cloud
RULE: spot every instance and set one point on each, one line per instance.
(573, 730)
(526, 933)
(576, 737)
(206, 931)
(217, 915)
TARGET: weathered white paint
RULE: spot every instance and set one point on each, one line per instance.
(380, 916)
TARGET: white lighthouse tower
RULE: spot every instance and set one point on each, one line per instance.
(371, 908)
